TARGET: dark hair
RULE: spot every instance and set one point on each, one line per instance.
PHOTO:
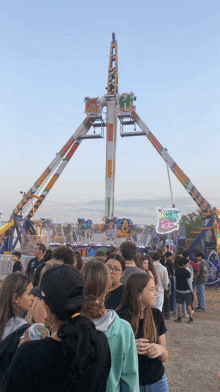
(118, 258)
(113, 249)
(41, 247)
(128, 250)
(183, 261)
(200, 254)
(64, 253)
(17, 254)
(12, 284)
(154, 247)
(185, 253)
(130, 301)
(80, 342)
(168, 254)
(160, 251)
(97, 285)
(79, 262)
(47, 255)
(156, 256)
(100, 253)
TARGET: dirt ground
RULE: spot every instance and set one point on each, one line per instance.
(194, 349)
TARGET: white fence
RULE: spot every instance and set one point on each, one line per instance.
(6, 264)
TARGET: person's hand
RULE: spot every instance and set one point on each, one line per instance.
(142, 346)
(24, 337)
(219, 377)
(155, 350)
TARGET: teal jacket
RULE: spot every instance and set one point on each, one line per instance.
(124, 375)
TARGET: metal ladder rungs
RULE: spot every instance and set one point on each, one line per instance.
(125, 134)
(90, 137)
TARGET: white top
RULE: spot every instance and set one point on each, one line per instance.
(12, 325)
(162, 277)
(190, 269)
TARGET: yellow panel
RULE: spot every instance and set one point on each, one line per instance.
(7, 226)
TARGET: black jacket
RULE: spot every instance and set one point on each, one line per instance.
(8, 349)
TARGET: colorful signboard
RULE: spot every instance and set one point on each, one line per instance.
(1, 216)
(126, 102)
(168, 220)
(92, 105)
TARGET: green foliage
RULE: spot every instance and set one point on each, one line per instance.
(151, 228)
(192, 221)
(44, 221)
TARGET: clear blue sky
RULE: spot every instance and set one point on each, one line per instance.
(55, 53)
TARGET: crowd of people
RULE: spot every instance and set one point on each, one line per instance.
(104, 318)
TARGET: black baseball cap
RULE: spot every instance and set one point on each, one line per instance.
(62, 288)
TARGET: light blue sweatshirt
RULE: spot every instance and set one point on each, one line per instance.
(124, 375)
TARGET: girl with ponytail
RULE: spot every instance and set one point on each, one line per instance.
(76, 357)
(123, 375)
(136, 307)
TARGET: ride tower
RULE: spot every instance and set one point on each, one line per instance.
(21, 225)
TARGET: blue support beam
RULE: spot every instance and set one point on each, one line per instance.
(209, 224)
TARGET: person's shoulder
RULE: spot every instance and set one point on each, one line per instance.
(34, 259)
(158, 316)
(123, 323)
(137, 269)
(124, 314)
(40, 266)
(163, 267)
(156, 312)
(35, 347)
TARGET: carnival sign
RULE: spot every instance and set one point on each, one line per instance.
(214, 269)
(168, 220)
(126, 102)
(92, 105)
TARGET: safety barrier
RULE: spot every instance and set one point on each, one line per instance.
(104, 233)
(6, 264)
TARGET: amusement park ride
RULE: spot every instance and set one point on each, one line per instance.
(118, 107)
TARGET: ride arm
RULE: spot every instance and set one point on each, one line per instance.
(185, 181)
(81, 131)
(56, 161)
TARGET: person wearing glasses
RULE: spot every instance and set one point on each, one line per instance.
(116, 267)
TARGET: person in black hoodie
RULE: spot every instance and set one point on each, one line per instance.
(76, 357)
(15, 298)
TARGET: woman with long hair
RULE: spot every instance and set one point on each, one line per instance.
(116, 267)
(15, 298)
(76, 357)
(145, 262)
(139, 297)
(124, 371)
